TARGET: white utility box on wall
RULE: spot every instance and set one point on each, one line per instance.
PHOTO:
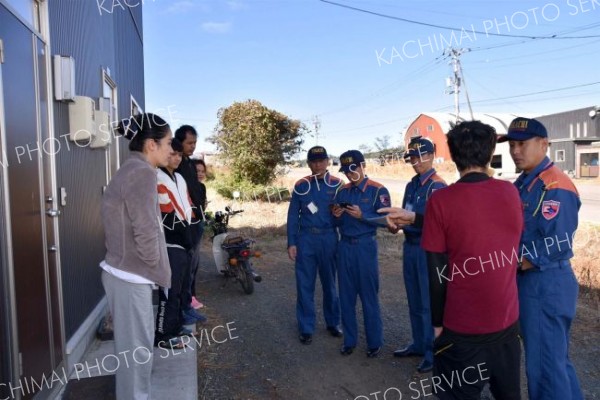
(64, 78)
(103, 135)
(82, 124)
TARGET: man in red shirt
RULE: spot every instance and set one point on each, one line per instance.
(471, 235)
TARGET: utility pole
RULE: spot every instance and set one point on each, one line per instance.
(317, 125)
(454, 83)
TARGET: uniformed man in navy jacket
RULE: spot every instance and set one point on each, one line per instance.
(420, 153)
(547, 286)
(356, 212)
(312, 244)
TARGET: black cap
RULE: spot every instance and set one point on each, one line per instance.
(350, 160)
(317, 153)
(521, 129)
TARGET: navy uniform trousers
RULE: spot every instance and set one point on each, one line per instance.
(316, 254)
(548, 291)
(416, 282)
(547, 303)
(359, 276)
(415, 271)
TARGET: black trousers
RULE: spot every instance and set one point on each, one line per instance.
(464, 364)
(198, 232)
(169, 318)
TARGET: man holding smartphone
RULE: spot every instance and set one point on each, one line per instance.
(356, 203)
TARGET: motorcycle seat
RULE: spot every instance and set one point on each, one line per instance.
(233, 240)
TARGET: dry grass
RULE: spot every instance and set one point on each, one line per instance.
(585, 262)
(392, 170)
(267, 221)
(403, 171)
(259, 219)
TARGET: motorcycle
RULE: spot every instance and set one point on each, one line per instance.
(233, 254)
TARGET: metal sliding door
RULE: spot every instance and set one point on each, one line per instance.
(32, 276)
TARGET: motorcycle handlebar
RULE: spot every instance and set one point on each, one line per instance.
(229, 213)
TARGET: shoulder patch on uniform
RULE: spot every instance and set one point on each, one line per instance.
(335, 180)
(550, 209)
(554, 178)
(305, 179)
(375, 184)
(436, 178)
(385, 200)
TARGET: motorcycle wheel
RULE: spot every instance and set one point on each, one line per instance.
(246, 278)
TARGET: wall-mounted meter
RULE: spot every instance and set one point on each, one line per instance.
(82, 124)
(104, 134)
(64, 78)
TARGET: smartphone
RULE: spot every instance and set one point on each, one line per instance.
(343, 204)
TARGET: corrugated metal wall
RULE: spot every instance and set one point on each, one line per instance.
(561, 125)
(594, 127)
(96, 40)
(129, 70)
(569, 148)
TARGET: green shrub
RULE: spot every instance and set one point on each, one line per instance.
(226, 185)
(254, 140)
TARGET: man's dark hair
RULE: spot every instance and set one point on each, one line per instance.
(471, 144)
(183, 130)
(176, 145)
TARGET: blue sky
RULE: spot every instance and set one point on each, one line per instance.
(363, 75)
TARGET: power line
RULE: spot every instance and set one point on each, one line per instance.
(393, 121)
(412, 116)
(410, 21)
(491, 92)
(560, 49)
(519, 42)
(531, 94)
(545, 61)
(418, 73)
(499, 45)
(538, 100)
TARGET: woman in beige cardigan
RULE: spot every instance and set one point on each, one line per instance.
(136, 253)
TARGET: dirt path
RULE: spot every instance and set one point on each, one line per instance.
(263, 359)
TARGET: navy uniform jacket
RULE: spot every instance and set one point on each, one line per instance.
(550, 206)
(416, 194)
(370, 196)
(310, 205)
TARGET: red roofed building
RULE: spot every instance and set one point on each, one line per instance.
(436, 125)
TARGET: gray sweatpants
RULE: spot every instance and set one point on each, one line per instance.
(133, 320)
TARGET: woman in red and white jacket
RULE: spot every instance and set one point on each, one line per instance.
(177, 215)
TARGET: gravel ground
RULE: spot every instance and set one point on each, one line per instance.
(260, 356)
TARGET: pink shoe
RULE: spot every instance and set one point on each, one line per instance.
(196, 304)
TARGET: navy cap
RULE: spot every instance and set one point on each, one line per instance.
(350, 160)
(317, 153)
(419, 146)
(524, 129)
